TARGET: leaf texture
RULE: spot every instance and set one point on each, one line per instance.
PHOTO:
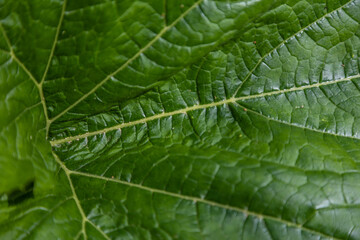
(179, 119)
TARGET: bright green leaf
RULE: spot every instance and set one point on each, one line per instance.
(206, 119)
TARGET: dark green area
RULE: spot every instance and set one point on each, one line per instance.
(179, 119)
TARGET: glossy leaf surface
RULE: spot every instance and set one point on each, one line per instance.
(203, 119)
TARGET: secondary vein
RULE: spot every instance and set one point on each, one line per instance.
(37, 84)
(67, 173)
(283, 42)
(55, 41)
(202, 106)
(158, 36)
(204, 201)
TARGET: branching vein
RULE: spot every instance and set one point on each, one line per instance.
(204, 201)
(37, 84)
(55, 41)
(130, 60)
(84, 218)
(280, 44)
(204, 106)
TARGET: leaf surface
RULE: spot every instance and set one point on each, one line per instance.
(180, 119)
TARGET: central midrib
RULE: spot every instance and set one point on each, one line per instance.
(196, 107)
(157, 37)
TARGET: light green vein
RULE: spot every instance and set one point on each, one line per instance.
(157, 37)
(37, 84)
(204, 201)
(283, 42)
(203, 106)
(13, 56)
(55, 41)
(74, 195)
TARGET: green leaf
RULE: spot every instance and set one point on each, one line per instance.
(188, 119)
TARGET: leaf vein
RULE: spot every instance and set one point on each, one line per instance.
(283, 42)
(204, 201)
(157, 37)
(38, 85)
(204, 106)
(55, 41)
